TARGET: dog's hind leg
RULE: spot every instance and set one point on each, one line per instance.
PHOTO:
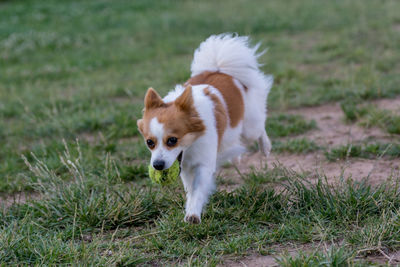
(264, 144)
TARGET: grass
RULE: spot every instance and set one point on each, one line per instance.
(97, 219)
(89, 63)
(283, 125)
(332, 257)
(384, 119)
(72, 79)
(286, 127)
(299, 146)
(352, 111)
(369, 151)
(369, 116)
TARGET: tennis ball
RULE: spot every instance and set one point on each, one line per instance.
(165, 177)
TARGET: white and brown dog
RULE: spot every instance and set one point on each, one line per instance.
(205, 121)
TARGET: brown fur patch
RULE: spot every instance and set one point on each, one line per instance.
(179, 118)
(232, 96)
(220, 114)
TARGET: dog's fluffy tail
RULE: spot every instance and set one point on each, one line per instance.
(232, 55)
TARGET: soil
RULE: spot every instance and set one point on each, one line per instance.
(389, 104)
(332, 130)
(256, 260)
(8, 200)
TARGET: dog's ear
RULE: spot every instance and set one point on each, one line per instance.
(185, 100)
(152, 99)
(140, 125)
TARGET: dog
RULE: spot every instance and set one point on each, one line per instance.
(205, 122)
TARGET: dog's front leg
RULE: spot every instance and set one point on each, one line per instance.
(202, 187)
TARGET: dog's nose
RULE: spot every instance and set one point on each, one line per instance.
(158, 164)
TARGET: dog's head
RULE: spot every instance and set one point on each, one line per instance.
(169, 128)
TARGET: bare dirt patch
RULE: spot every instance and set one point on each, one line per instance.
(389, 104)
(314, 166)
(7, 200)
(396, 27)
(332, 128)
(253, 260)
(357, 169)
(256, 260)
(332, 131)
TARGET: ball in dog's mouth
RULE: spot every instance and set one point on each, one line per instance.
(167, 176)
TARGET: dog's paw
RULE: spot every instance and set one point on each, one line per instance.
(267, 152)
(192, 219)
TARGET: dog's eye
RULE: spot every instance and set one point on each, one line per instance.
(172, 141)
(150, 143)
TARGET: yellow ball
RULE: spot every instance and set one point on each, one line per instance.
(165, 177)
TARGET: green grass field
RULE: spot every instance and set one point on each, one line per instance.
(72, 80)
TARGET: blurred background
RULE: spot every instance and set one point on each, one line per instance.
(79, 69)
(74, 187)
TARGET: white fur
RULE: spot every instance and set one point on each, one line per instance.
(160, 152)
(156, 128)
(232, 55)
(199, 160)
(172, 95)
